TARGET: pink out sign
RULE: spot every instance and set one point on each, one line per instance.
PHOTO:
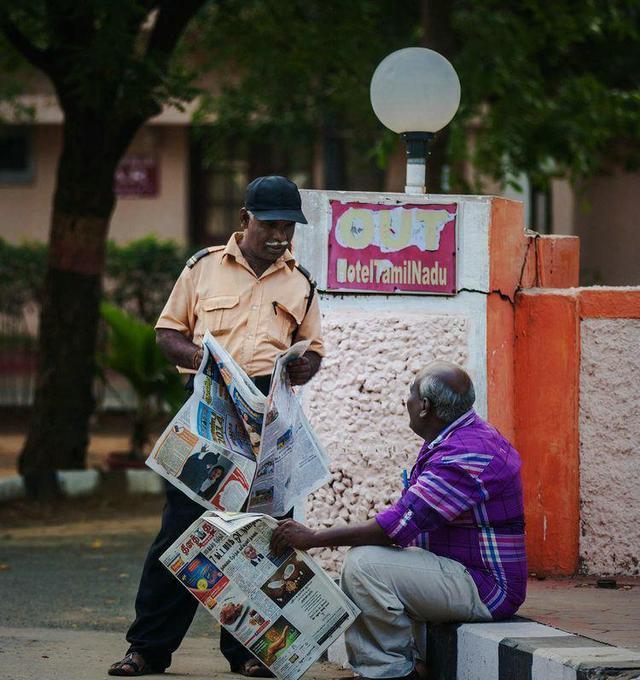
(389, 248)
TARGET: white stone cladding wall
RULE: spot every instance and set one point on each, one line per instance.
(356, 405)
(375, 345)
(610, 446)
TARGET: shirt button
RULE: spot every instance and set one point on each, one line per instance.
(254, 306)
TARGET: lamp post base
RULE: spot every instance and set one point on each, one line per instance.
(417, 152)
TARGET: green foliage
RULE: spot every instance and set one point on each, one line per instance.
(553, 86)
(549, 88)
(131, 351)
(140, 275)
(21, 275)
(112, 65)
(289, 70)
(102, 55)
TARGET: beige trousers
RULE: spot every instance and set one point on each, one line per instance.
(398, 591)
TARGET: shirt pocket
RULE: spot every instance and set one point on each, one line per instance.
(220, 313)
(284, 323)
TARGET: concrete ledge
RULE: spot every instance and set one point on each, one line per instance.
(143, 481)
(78, 482)
(523, 650)
(11, 487)
(84, 482)
(516, 650)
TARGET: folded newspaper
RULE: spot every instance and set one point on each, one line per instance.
(229, 443)
(284, 609)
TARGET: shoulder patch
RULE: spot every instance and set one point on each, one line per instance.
(305, 273)
(195, 258)
(312, 284)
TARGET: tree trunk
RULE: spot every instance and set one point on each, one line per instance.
(335, 165)
(58, 432)
(438, 35)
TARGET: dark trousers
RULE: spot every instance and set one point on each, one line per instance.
(164, 607)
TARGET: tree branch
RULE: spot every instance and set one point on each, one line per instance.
(169, 25)
(171, 21)
(70, 22)
(39, 58)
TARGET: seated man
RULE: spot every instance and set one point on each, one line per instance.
(450, 549)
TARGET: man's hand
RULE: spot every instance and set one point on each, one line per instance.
(178, 349)
(290, 533)
(299, 371)
(303, 369)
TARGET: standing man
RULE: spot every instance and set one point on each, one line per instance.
(452, 546)
(256, 301)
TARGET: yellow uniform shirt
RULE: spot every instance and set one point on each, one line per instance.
(253, 318)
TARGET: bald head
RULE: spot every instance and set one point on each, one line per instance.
(448, 388)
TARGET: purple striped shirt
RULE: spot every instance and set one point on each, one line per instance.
(464, 501)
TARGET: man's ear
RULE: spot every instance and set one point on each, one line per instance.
(426, 407)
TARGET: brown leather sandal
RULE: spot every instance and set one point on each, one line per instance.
(137, 664)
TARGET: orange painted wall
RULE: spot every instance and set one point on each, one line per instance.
(610, 303)
(558, 261)
(507, 254)
(500, 363)
(517, 259)
(533, 373)
(507, 246)
(547, 372)
(533, 369)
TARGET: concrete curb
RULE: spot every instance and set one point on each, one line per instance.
(74, 483)
(516, 650)
(11, 487)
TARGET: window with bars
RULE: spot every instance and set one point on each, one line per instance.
(16, 155)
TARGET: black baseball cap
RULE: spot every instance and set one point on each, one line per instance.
(274, 198)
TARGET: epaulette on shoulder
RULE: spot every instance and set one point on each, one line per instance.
(312, 284)
(194, 259)
(306, 273)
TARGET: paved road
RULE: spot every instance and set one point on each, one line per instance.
(67, 596)
(62, 654)
(78, 576)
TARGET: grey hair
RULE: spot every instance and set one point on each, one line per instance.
(448, 404)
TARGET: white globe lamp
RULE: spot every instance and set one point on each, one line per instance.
(415, 92)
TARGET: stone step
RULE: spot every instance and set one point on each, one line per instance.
(518, 649)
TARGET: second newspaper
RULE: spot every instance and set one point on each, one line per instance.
(230, 444)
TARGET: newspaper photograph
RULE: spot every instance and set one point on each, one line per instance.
(284, 609)
(206, 450)
(229, 443)
(248, 403)
(292, 462)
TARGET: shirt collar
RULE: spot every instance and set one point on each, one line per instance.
(232, 249)
(464, 420)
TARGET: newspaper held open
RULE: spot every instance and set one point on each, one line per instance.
(284, 609)
(229, 443)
